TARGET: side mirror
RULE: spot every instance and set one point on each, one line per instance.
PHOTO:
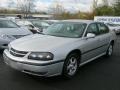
(91, 35)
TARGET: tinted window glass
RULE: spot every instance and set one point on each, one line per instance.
(92, 28)
(40, 24)
(72, 30)
(103, 28)
(7, 24)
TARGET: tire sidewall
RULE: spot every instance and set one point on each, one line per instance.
(107, 53)
(65, 73)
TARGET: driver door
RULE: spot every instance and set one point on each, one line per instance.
(91, 45)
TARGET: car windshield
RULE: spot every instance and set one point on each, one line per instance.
(40, 23)
(7, 24)
(70, 30)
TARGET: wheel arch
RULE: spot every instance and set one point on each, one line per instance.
(71, 52)
(77, 51)
(112, 42)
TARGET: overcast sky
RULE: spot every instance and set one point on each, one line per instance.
(43, 5)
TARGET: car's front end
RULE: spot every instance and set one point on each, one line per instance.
(32, 55)
(37, 54)
(27, 62)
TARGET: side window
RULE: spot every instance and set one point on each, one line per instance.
(103, 28)
(92, 28)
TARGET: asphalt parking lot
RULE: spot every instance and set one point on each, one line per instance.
(101, 74)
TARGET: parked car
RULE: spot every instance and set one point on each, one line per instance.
(114, 27)
(34, 25)
(10, 31)
(61, 49)
(27, 24)
(42, 25)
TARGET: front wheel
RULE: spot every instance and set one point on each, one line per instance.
(110, 50)
(71, 65)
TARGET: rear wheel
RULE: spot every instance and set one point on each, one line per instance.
(71, 65)
(110, 50)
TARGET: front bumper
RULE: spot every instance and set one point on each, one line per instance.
(47, 69)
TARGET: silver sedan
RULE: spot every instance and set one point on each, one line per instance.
(10, 31)
(61, 49)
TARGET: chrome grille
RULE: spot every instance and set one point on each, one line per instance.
(17, 53)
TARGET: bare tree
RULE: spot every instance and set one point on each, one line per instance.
(56, 9)
(77, 4)
(25, 6)
(105, 3)
(94, 6)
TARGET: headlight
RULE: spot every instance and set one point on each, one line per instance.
(41, 56)
(7, 37)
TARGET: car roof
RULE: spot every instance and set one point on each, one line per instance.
(53, 20)
(78, 21)
(29, 20)
(33, 19)
(3, 19)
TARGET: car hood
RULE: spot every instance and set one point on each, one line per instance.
(14, 31)
(40, 43)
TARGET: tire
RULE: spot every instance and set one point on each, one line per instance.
(71, 65)
(109, 50)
